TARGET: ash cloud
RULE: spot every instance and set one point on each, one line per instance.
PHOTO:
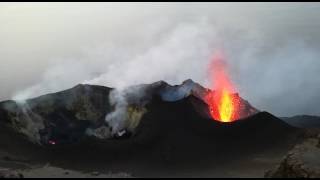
(272, 49)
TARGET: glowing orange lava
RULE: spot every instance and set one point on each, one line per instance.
(222, 103)
(225, 107)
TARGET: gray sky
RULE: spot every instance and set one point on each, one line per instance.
(272, 49)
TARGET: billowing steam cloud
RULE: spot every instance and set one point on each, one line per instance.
(181, 54)
(272, 50)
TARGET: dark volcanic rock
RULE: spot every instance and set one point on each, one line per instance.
(180, 131)
(301, 162)
(6, 173)
(62, 115)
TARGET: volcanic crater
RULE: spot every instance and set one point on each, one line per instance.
(172, 132)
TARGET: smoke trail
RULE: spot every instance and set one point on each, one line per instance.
(263, 53)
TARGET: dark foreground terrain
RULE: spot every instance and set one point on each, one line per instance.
(172, 138)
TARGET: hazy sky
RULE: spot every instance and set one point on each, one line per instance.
(272, 49)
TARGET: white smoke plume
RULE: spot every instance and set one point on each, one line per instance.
(183, 49)
(272, 49)
(120, 99)
(117, 118)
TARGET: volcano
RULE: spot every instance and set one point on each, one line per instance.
(166, 127)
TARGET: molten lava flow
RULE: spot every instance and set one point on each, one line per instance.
(222, 103)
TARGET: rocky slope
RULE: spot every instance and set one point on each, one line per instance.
(302, 161)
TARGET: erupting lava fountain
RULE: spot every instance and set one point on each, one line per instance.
(222, 101)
